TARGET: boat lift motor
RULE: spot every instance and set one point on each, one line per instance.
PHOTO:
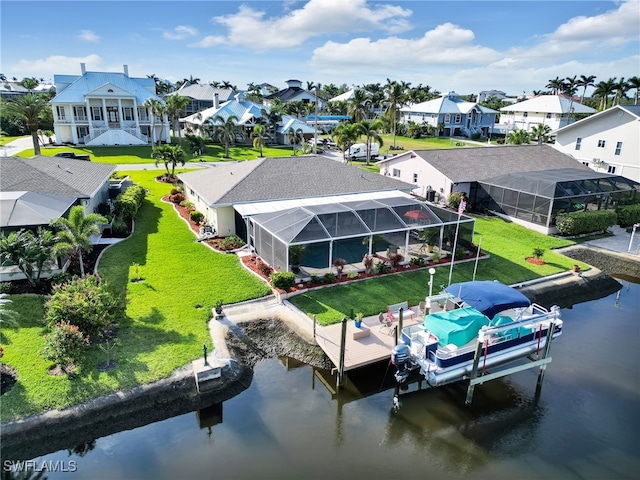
(401, 358)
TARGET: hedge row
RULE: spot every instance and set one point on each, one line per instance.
(577, 223)
(628, 215)
(128, 202)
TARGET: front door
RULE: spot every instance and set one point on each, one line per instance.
(112, 117)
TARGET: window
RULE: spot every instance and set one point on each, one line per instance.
(127, 114)
(396, 173)
(60, 113)
(578, 143)
(447, 118)
(548, 115)
(611, 169)
(415, 178)
(458, 118)
(618, 148)
(96, 113)
(525, 114)
(586, 164)
(601, 143)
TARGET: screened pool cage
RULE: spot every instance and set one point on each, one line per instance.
(352, 229)
(538, 197)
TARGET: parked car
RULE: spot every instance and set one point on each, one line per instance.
(73, 155)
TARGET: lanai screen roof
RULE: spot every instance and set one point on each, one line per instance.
(350, 218)
(563, 182)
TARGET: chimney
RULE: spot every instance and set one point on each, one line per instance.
(83, 69)
(126, 70)
(216, 101)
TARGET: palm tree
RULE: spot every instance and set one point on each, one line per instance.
(570, 87)
(8, 317)
(15, 249)
(175, 109)
(555, 85)
(358, 107)
(634, 84)
(603, 90)
(371, 131)
(30, 83)
(170, 155)
(621, 88)
(273, 118)
(397, 97)
(155, 108)
(225, 130)
(295, 137)
(74, 233)
(540, 133)
(585, 81)
(345, 135)
(29, 108)
(258, 135)
(518, 137)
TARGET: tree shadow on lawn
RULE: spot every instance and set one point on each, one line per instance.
(20, 399)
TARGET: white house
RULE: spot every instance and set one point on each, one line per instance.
(106, 108)
(608, 141)
(458, 116)
(552, 110)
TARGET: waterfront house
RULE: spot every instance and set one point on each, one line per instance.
(202, 96)
(608, 141)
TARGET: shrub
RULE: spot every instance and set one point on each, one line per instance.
(435, 256)
(395, 259)
(88, 303)
(64, 345)
(577, 223)
(329, 277)
(264, 269)
(231, 243)
(352, 275)
(538, 252)
(460, 253)
(128, 202)
(177, 198)
(317, 279)
(5, 287)
(339, 263)
(119, 227)
(628, 215)
(381, 267)
(283, 280)
(453, 201)
(60, 278)
(189, 206)
(196, 216)
(367, 260)
(176, 190)
(417, 261)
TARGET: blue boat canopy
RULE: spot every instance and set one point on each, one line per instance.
(488, 297)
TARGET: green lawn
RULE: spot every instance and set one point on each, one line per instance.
(6, 139)
(167, 312)
(508, 245)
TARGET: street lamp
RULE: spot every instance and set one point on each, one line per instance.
(432, 272)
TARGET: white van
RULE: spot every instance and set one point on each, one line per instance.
(359, 150)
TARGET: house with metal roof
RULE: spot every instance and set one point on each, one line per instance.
(106, 108)
(333, 209)
(295, 93)
(249, 114)
(607, 141)
(455, 116)
(556, 111)
(202, 96)
(529, 184)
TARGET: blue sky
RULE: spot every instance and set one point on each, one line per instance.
(466, 46)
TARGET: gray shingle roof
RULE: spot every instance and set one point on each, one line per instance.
(479, 163)
(284, 178)
(53, 175)
(204, 92)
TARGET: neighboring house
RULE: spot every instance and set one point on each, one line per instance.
(249, 114)
(608, 141)
(202, 96)
(457, 117)
(106, 108)
(555, 111)
(333, 209)
(294, 93)
(10, 89)
(529, 184)
(486, 94)
(86, 182)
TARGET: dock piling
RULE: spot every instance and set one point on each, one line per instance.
(343, 340)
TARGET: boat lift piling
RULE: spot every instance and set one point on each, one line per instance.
(537, 360)
(343, 342)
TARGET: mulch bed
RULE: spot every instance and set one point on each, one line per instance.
(535, 261)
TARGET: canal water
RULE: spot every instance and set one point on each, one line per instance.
(290, 425)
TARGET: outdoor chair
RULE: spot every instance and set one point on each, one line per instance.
(385, 323)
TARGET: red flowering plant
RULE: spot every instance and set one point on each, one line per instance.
(64, 345)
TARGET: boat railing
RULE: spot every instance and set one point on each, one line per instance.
(498, 333)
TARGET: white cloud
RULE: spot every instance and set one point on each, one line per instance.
(249, 27)
(57, 64)
(208, 41)
(88, 36)
(180, 33)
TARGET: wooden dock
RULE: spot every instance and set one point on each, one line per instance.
(364, 346)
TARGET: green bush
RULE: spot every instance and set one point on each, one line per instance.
(88, 303)
(283, 280)
(60, 278)
(628, 215)
(460, 253)
(119, 227)
(577, 223)
(5, 287)
(196, 216)
(538, 252)
(64, 345)
(329, 277)
(453, 201)
(177, 198)
(189, 206)
(232, 242)
(417, 261)
(381, 267)
(128, 202)
(316, 279)
(352, 275)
